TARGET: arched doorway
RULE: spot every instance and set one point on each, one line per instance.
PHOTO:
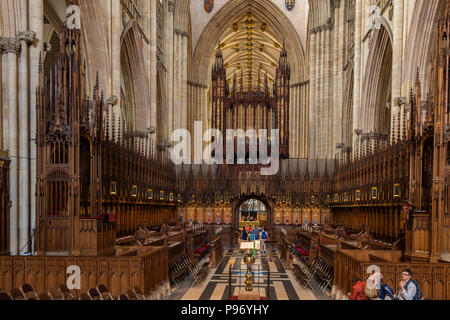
(252, 212)
(257, 207)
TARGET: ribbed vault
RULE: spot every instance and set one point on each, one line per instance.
(278, 27)
(250, 47)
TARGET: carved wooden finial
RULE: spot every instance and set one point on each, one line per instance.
(40, 62)
(113, 127)
(417, 83)
(107, 122)
(97, 81)
(119, 134)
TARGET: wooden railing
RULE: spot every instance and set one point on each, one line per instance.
(434, 279)
(118, 274)
(97, 237)
(327, 253)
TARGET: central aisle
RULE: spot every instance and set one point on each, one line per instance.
(283, 285)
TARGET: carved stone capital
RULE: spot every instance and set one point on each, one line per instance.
(11, 45)
(27, 36)
(172, 6)
(399, 101)
(112, 100)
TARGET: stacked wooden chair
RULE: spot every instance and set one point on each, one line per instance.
(26, 292)
(179, 270)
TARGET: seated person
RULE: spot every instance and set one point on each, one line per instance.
(358, 289)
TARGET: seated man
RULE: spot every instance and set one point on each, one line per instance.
(408, 288)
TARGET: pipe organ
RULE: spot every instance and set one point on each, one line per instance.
(252, 107)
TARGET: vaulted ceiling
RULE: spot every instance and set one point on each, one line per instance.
(251, 46)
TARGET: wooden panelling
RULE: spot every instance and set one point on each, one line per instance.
(119, 274)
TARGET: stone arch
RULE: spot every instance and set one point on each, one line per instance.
(377, 83)
(134, 81)
(267, 11)
(347, 112)
(237, 204)
(320, 12)
(420, 47)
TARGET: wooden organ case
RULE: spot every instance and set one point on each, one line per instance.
(252, 107)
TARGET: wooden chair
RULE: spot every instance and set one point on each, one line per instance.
(65, 291)
(85, 296)
(70, 297)
(17, 294)
(56, 294)
(131, 295)
(101, 288)
(30, 295)
(44, 296)
(139, 294)
(5, 296)
(27, 288)
(93, 293)
(123, 297)
(106, 296)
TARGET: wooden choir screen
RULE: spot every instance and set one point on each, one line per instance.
(118, 274)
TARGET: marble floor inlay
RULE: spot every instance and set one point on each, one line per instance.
(282, 286)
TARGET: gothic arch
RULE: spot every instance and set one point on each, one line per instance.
(236, 205)
(377, 83)
(134, 81)
(420, 47)
(267, 11)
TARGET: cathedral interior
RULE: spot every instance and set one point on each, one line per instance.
(350, 99)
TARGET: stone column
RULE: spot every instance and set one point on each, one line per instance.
(170, 65)
(184, 95)
(328, 127)
(4, 91)
(293, 139)
(312, 104)
(176, 86)
(36, 24)
(153, 68)
(116, 28)
(397, 56)
(11, 47)
(203, 107)
(322, 96)
(26, 38)
(357, 71)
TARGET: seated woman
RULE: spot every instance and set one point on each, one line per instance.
(358, 289)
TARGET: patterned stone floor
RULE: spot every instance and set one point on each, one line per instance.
(283, 285)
